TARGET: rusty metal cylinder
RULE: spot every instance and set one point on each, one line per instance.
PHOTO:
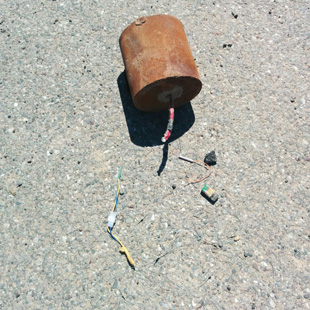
(159, 64)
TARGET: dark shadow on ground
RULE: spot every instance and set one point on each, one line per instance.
(164, 160)
(147, 128)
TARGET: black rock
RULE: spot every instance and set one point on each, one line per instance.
(210, 159)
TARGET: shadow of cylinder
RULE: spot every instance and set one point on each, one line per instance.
(147, 128)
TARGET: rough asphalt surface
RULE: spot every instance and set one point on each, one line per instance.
(67, 123)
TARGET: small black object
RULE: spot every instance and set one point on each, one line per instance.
(210, 159)
(234, 15)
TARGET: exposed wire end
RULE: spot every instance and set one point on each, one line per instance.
(120, 172)
(129, 258)
(186, 159)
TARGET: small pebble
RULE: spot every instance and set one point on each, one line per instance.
(255, 266)
(115, 284)
(13, 190)
(297, 254)
(247, 254)
(272, 303)
(264, 266)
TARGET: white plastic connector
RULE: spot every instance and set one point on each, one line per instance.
(111, 219)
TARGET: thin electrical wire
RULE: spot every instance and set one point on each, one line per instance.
(123, 249)
(203, 164)
(117, 194)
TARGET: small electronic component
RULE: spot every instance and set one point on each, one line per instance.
(208, 192)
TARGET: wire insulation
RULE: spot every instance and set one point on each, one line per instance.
(123, 249)
(170, 122)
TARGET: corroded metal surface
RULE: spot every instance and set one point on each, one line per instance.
(158, 62)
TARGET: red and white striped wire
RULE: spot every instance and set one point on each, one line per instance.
(170, 124)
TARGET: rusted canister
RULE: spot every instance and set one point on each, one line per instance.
(159, 65)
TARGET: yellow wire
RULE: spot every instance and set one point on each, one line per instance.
(123, 249)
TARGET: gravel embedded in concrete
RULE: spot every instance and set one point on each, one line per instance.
(67, 124)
